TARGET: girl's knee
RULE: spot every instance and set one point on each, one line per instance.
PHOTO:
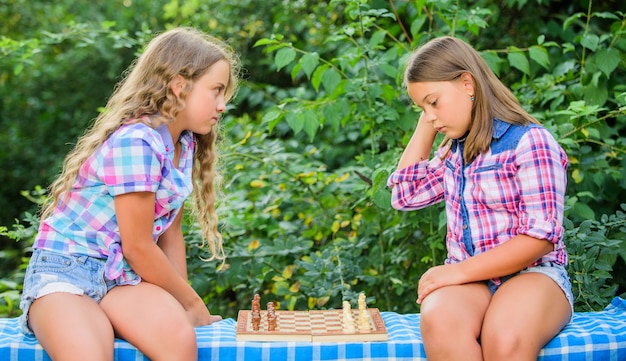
(506, 338)
(507, 345)
(178, 343)
(184, 334)
(436, 321)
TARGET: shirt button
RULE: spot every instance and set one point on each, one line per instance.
(464, 226)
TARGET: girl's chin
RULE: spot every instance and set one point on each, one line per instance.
(455, 135)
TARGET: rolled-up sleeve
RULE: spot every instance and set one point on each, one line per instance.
(417, 186)
(542, 181)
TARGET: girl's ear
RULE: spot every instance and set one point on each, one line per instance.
(177, 84)
(468, 82)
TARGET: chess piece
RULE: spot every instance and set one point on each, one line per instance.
(364, 317)
(348, 319)
(256, 312)
(271, 317)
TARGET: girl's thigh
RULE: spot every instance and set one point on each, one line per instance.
(71, 327)
(529, 308)
(150, 318)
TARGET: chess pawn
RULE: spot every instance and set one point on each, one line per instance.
(256, 324)
(348, 320)
(256, 319)
(256, 303)
(271, 317)
(364, 317)
(364, 320)
(256, 312)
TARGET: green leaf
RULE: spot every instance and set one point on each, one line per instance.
(330, 80)
(417, 25)
(540, 55)
(17, 70)
(596, 94)
(317, 76)
(569, 21)
(283, 57)
(583, 211)
(309, 62)
(590, 41)
(295, 121)
(264, 42)
(271, 118)
(389, 70)
(296, 70)
(607, 60)
(377, 38)
(519, 61)
(493, 60)
(334, 112)
(311, 123)
(382, 198)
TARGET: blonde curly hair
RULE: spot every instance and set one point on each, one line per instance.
(145, 92)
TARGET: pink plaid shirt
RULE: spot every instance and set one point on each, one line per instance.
(516, 187)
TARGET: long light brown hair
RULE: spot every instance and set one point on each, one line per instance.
(445, 59)
(145, 91)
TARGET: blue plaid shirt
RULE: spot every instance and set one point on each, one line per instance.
(135, 158)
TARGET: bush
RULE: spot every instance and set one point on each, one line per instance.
(322, 119)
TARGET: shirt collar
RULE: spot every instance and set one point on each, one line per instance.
(164, 131)
(185, 138)
(499, 128)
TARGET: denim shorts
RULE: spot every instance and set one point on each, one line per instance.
(49, 272)
(556, 272)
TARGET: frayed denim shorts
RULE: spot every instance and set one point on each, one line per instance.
(555, 271)
(49, 272)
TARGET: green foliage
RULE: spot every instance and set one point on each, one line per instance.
(356, 97)
(593, 247)
(316, 129)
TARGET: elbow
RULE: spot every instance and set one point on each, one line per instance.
(134, 251)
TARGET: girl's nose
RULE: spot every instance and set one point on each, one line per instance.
(221, 105)
(427, 117)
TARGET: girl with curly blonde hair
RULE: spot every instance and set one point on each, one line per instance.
(109, 258)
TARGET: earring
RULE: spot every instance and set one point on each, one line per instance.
(472, 97)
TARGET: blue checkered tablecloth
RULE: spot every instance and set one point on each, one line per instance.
(591, 336)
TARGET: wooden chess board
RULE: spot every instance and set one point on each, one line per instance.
(310, 326)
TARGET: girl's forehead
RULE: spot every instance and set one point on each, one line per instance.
(423, 88)
(218, 70)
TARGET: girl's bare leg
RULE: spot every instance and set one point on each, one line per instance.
(451, 319)
(524, 314)
(71, 327)
(152, 320)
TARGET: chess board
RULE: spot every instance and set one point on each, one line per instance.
(310, 326)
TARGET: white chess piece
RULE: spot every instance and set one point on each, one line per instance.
(348, 320)
(364, 317)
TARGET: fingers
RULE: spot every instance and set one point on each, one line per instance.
(430, 281)
(215, 318)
